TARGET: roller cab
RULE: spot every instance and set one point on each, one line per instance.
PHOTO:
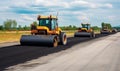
(45, 33)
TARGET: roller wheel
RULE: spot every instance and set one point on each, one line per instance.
(63, 38)
(55, 43)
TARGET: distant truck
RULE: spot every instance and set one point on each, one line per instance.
(106, 28)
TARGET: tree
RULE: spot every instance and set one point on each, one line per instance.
(109, 26)
(95, 28)
(10, 24)
(35, 23)
(19, 27)
(26, 28)
(1, 27)
(102, 24)
(14, 24)
(7, 24)
(74, 27)
(70, 26)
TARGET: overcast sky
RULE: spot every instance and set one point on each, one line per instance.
(71, 12)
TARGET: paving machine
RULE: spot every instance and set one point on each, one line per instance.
(86, 30)
(46, 33)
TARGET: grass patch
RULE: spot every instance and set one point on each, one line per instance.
(10, 36)
(69, 32)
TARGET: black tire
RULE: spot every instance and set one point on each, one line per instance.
(63, 38)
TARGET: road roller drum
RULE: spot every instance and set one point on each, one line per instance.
(38, 39)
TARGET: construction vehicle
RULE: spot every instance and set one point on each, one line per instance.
(114, 30)
(106, 28)
(86, 30)
(46, 33)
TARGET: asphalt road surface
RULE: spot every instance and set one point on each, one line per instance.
(100, 54)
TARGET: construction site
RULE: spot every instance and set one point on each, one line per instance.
(45, 45)
(47, 41)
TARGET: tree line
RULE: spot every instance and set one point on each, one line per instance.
(11, 25)
(117, 28)
(70, 27)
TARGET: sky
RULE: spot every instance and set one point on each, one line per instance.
(70, 12)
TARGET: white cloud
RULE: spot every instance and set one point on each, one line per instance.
(81, 3)
(79, 10)
(52, 3)
(109, 5)
(79, 13)
(4, 8)
(111, 17)
(83, 18)
(26, 17)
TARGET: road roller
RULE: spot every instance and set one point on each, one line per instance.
(105, 31)
(106, 28)
(85, 31)
(45, 33)
(114, 30)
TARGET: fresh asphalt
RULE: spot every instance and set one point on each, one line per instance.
(16, 54)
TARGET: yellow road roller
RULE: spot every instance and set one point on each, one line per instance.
(106, 28)
(85, 31)
(45, 33)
